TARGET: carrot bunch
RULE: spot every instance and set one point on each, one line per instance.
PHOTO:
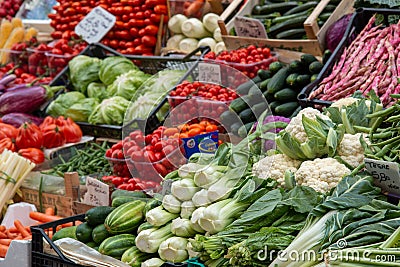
(17, 232)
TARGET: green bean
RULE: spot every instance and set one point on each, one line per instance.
(388, 141)
(382, 135)
(384, 112)
(393, 118)
(375, 126)
(385, 149)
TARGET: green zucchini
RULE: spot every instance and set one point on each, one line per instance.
(296, 66)
(286, 109)
(315, 67)
(245, 129)
(274, 104)
(300, 8)
(275, 66)
(324, 16)
(247, 116)
(288, 17)
(291, 79)
(291, 34)
(287, 25)
(278, 81)
(307, 59)
(264, 74)
(286, 95)
(271, 8)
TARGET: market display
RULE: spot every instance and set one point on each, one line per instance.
(245, 154)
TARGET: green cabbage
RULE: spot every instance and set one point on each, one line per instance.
(59, 106)
(81, 110)
(110, 111)
(127, 84)
(114, 66)
(97, 90)
(83, 70)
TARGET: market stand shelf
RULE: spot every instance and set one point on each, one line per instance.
(315, 43)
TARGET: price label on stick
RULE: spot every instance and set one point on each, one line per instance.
(248, 27)
(98, 193)
(386, 175)
(95, 25)
(209, 73)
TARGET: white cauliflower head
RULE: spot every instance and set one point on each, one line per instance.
(295, 127)
(321, 174)
(274, 167)
(351, 150)
(348, 101)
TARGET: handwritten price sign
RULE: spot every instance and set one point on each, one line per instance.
(209, 73)
(386, 175)
(95, 25)
(98, 193)
(248, 27)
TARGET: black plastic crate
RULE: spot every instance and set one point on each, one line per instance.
(148, 64)
(39, 232)
(357, 23)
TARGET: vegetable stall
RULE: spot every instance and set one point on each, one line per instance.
(179, 135)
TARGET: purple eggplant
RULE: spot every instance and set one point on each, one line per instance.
(25, 100)
(16, 119)
(7, 79)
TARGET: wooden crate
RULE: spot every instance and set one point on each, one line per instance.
(314, 45)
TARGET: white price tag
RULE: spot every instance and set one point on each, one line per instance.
(386, 175)
(95, 25)
(248, 27)
(98, 193)
(209, 73)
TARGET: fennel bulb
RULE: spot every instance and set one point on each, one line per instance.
(200, 199)
(196, 215)
(189, 170)
(187, 208)
(171, 204)
(194, 28)
(217, 35)
(184, 189)
(210, 21)
(207, 176)
(174, 249)
(219, 47)
(153, 262)
(188, 44)
(182, 227)
(158, 216)
(173, 42)
(175, 23)
(207, 41)
(149, 240)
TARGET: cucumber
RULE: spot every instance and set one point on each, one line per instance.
(84, 232)
(329, 8)
(228, 117)
(264, 74)
(259, 108)
(296, 66)
(65, 232)
(295, 112)
(241, 103)
(269, 97)
(97, 215)
(287, 25)
(118, 201)
(286, 95)
(244, 88)
(275, 66)
(100, 233)
(235, 127)
(91, 244)
(263, 84)
(315, 67)
(286, 109)
(291, 80)
(278, 81)
(255, 91)
(263, 18)
(271, 8)
(247, 116)
(325, 57)
(307, 59)
(303, 80)
(288, 17)
(274, 104)
(324, 16)
(291, 34)
(126, 193)
(300, 8)
(245, 129)
(313, 77)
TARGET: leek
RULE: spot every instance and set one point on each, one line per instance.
(171, 204)
(174, 249)
(187, 208)
(184, 189)
(149, 240)
(182, 227)
(158, 216)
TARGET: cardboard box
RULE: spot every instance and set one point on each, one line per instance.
(18, 254)
(314, 45)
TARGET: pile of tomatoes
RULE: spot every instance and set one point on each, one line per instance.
(207, 100)
(135, 30)
(128, 183)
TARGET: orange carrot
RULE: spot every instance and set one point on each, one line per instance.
(28, 237)
(11, 235)
(3, 235)
(2, 228)
(13, 229)
(3, 251)
(21, 228)
(49, 211)
(44, 218)
(28, 228)
(5, 241)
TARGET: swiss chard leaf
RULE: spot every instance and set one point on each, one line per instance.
(301, 198)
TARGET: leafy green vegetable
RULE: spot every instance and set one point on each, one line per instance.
(59, 106)
(82, 110)
(127, 84)
(97, 90)
(83, 70)
(114, 66)
(110, 111)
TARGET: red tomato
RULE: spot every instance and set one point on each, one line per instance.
(161, 169)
